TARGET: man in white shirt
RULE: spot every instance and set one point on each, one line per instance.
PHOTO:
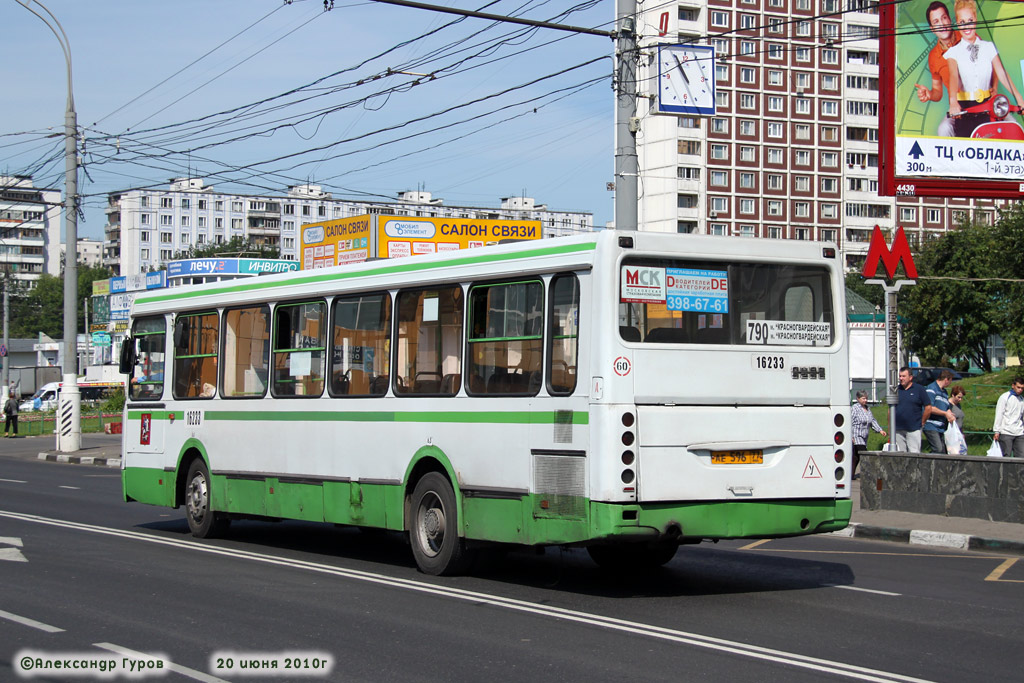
(1009, 425)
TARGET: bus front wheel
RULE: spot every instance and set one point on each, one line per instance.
(434, 528)
(202, 520)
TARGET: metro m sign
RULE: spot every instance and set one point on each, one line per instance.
(879, 251)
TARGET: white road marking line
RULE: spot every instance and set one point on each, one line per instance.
(596, 620)
(14, 481)
(865, 590)
(177, 668)
(11, 540)
(73, 488)
(25, 621)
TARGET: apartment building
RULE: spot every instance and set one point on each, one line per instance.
(147, 228)
(30, 226)
(792, 150)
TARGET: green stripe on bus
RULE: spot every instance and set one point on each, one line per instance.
(466, 416)
(459, 416)
(385, 270)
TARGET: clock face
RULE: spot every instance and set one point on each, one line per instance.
(686, 79)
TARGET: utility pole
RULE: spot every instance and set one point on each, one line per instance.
(627, 167)
(69, 409)
(7, 340)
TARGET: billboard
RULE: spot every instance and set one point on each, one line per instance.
(354, 240)
(964, 143)
(228, 266)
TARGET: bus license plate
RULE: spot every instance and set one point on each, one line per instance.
(737, 457)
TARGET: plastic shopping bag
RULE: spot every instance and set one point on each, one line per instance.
(994, 451)
(955, 443)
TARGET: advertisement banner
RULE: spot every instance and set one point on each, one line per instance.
(956, 99)
(405, 236)
(354, 240)
(100, 309)
(337, 242)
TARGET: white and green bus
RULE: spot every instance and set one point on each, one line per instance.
(626, 392)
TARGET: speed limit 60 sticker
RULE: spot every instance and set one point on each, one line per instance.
(622, 366)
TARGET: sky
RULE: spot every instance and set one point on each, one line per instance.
(258, 95)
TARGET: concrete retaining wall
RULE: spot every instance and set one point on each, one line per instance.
(955, 486)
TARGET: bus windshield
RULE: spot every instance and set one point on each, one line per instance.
(677, 301)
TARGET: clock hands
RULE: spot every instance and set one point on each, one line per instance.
(686, 80)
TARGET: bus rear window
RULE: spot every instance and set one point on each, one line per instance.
(668, 301)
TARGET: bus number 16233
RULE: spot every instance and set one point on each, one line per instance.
(763, 362)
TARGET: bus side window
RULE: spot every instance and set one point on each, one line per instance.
(563, 338)
(246, 352)
(299, 348)
(429, 341)
(507, 337)
(195, 355)
(360, 345)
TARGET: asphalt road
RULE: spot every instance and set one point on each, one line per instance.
(116, 577)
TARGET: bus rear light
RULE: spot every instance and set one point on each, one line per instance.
(840, 473)
(628, 476)
(838, 419)
(840, 455)
(628, 489)
(839, 438)
(628, 419)
(628, 457)
(628, 438)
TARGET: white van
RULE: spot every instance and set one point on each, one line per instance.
(47, 395)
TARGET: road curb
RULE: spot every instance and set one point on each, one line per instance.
(80, 460)
(937, 539)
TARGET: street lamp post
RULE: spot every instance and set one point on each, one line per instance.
(69, 410)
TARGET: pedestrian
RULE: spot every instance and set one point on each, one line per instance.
(862, 419)
(956, 397)
(11, 415)
(913, 400)
(937, 414)
(1008, 428)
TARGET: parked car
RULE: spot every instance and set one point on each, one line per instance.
(926, 376)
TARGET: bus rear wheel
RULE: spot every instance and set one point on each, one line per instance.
(625, 557)
(434, 528)
(202, 520)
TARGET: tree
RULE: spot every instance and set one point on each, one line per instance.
(873, 293)
(1009, 233)
(41, 308)
(950, 319)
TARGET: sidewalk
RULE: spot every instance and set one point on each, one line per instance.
(934, 530)
(884, 525)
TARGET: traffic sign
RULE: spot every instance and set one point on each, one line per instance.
(3, 350)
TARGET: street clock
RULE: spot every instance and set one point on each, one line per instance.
(686, 79)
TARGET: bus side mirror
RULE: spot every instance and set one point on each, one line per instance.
(127, 361)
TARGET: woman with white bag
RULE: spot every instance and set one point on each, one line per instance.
(861, 419)
(956, 442)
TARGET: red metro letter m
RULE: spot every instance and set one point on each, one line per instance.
(879, 251)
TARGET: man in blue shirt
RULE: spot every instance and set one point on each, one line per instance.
(913, 400)
(938, 414)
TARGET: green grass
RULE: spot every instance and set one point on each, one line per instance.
(38, 423)
(979, 408)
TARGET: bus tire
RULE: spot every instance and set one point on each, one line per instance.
(434, 528)
(626, 557)
(203, 522)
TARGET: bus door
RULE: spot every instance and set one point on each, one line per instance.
(145, 414)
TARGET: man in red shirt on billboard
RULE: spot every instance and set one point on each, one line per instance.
(942, 27)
